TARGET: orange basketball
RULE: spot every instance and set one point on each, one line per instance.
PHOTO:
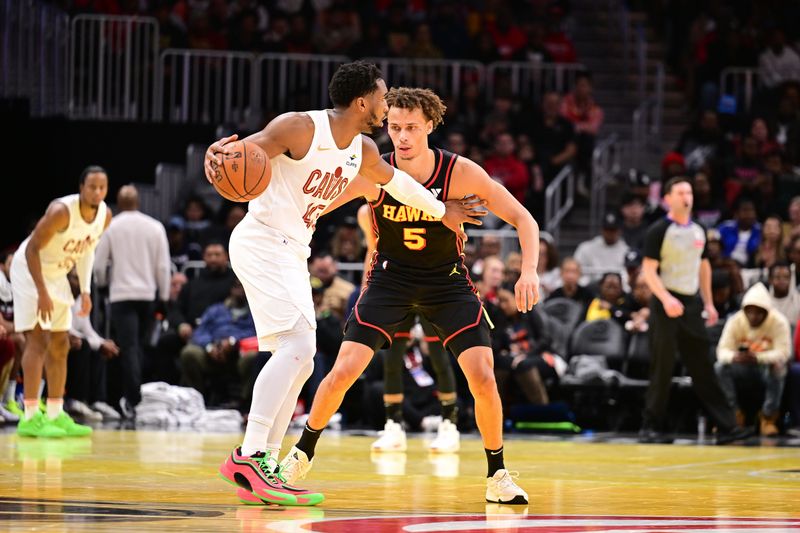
(245, 172)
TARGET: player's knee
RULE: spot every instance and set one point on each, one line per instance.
(482, 382)
(301, 345)
(59, 345)
(307, 370)
(343, 376)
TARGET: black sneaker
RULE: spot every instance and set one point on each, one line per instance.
(648, 435)
(737, 433)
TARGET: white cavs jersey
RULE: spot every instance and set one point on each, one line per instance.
(300, 190)
(61, 253)
(269, 248)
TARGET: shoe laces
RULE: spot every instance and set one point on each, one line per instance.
(509, 480)
(266, 465)
(291, 468)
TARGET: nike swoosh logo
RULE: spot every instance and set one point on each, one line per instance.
(498, 452)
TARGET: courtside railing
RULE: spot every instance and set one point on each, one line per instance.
(33, 55)
(288, 82)
(207, 86)
(530, 79)
(606, 163)
(559, 198)
(442, 75)
(113, 67)
(741, 83)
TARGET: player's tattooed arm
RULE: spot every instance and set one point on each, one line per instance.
(469, 178)
(290, 134)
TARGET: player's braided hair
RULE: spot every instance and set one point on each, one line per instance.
(414, 98)
(353, 80)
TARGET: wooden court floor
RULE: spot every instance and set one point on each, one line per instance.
(166, 481)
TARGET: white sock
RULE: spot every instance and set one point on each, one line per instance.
(273, 385)
(31, 408)
(10, 391)
(54, 407)
(284, 417)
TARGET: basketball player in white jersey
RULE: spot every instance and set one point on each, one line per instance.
(314, 156)
(63, 239)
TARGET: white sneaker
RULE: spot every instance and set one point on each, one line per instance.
(392, 438)
(77, 407)
(500, 488)
(295, 465)
(389, 463)
(7, 416)
(431, 423)
(448, 439)
(126, 409)
(108, 412)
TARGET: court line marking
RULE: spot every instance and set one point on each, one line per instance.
(710, 463)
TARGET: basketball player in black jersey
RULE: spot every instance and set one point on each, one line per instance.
(419, 268)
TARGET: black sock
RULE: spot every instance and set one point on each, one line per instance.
(495, 460)
(308, 441)
(450, 410)
(394, 411)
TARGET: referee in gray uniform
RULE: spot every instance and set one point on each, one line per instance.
(675, 267)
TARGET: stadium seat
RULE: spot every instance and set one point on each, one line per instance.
(637, 364)
(600, 337)
(568, 312)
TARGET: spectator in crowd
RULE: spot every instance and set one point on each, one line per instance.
(547, 268)
(505, 167)
(514, 267)
(212, 285)
(337, 289)
(298, 40)
(245, 36)
(745, 176)
(755, 346)
(203, 35)
(720, 263)
(133, 256)
(608, 304)
(276, 34)
(783, 293)
(673, 164)
(636, 309)
(507, 36)
(535, 50)
(778, 63)
(586, 116)
(489, 245)
(708, 210)
(791, 228)
(639, 183)
(557, 41)
(449, 29)
(456, 143)
(338, 29)
(11, 346)
(554, 138)
(230, 214)
(213, 353)
(86, 366)
(491, 278)
(741, 236)
(787, 124)
(793, 387)
(570, 286)
(633, 267)
(725, 301)
(522, 349)
(765, 141)
(704, 143)
(422, 46)
(634, 226)
(771, 249)
(178, 247)
(605, 252)
(347, 246)
(171, 34)
(197, 219)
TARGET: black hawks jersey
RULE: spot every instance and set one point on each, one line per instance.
(408, 236)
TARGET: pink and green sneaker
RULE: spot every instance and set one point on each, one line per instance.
(257, 475)
(248, 498)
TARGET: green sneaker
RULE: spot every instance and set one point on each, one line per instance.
(14, 408)
(42, 405)
(70, 427)
(39, 426)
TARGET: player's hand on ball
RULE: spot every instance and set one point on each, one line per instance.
(673, 307)
(463, 211)
(45, 306)
(212, 160)
(86, 304)
(526, 291)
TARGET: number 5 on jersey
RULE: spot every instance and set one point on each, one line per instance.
(414, 238)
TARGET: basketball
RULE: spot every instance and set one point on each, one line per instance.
(244, 174)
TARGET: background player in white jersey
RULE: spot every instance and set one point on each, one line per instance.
(314, 156)
(63, 239)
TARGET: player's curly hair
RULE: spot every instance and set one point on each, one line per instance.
(415, 98)
(353, 80)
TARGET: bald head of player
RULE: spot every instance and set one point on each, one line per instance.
(128, 198)
(93, 186)
(413, 115)
(359, 90)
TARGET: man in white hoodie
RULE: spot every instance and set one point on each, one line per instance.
(755, 345)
